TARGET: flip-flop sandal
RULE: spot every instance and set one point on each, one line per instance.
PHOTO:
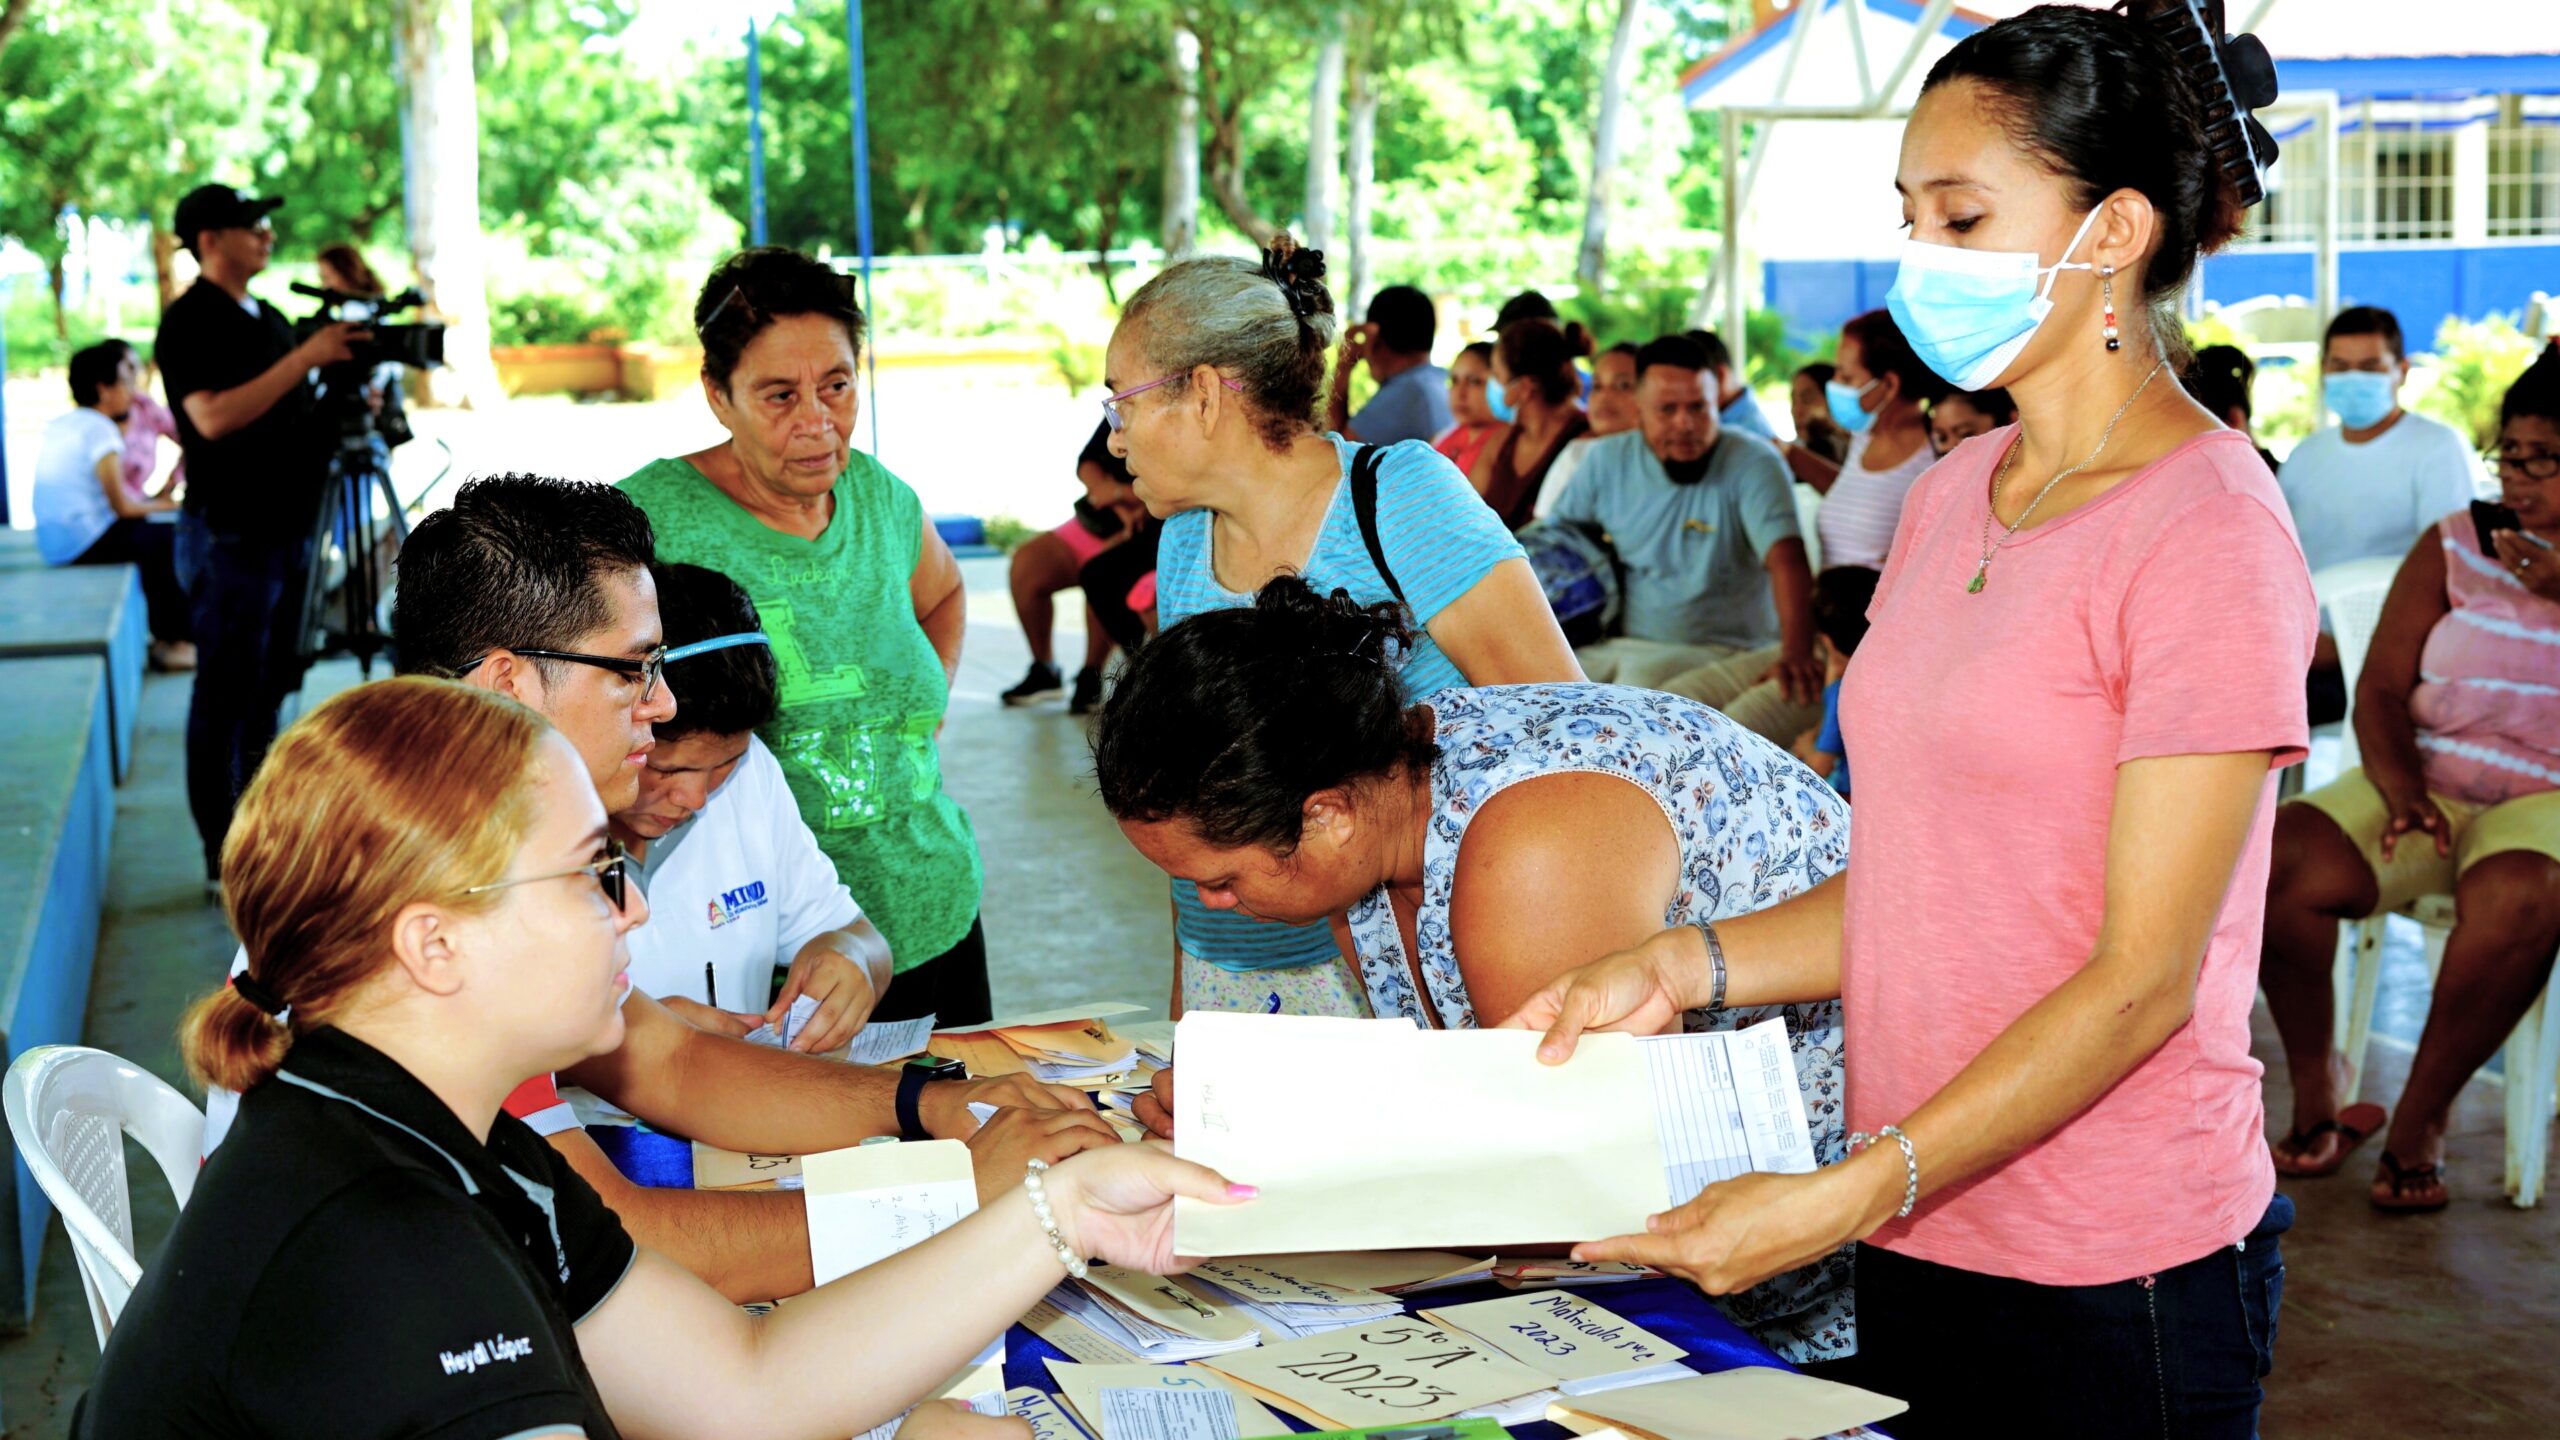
(2409, 1189)
(2353, 1126)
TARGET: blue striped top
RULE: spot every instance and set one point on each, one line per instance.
(1440, 539)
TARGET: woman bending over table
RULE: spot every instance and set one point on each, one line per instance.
(1466, 850)
(2082, 674)
(432, 913)
(1214, 373)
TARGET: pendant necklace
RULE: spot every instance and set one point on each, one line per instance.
(1991, 547)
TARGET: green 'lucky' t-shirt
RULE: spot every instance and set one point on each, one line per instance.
(862, 689)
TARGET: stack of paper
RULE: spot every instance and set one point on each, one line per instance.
(877, 1043)
(1282, 1305)
(1536, 1274)
(1752, 1403)
(1061, 1047)
(1110, 1402)
(1487, 1146)
(1155, 1317)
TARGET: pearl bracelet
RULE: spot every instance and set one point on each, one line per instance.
(1039, 1194)
(1910, 1163)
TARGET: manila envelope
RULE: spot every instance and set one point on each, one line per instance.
(1755, 1402)
(1081, 1386)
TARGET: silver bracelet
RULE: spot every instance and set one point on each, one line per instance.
(1910, 1163)
(1032, 1187)
(1715, 958)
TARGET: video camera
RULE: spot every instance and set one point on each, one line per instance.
(419, 346)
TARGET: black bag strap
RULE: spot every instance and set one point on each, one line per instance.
(1364, 507)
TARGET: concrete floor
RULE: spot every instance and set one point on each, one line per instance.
(2446, 1325)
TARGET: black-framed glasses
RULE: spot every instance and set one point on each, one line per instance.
(612, 872)
(647, 669)
(2536, 467)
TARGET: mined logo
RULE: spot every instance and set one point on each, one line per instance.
(733, 903)
(487, 1352)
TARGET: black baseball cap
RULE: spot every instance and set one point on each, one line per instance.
(218, 207)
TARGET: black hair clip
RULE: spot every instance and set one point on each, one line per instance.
(2233, 75)
(1300, 276)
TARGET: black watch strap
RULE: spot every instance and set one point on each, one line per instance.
(912, 1078)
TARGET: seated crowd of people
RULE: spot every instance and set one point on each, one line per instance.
(660, 767)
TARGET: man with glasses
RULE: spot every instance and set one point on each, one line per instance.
(241, 392)
(540, 589)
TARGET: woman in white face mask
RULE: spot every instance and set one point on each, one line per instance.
(2084, 669)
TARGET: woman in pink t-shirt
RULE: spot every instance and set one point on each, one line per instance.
(2458, 715)
(2082, 675)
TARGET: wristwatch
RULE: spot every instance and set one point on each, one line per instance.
(919, 1072)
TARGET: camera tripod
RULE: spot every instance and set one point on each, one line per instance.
(360, 529)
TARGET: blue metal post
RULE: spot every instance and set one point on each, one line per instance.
(862, 199)
(755, 135)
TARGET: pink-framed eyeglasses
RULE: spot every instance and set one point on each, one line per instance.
(1111, 403)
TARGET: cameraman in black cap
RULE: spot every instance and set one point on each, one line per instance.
(242, 392)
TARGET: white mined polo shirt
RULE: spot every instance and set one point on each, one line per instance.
(739, 887)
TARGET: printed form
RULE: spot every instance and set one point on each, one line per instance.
(1726, 1103)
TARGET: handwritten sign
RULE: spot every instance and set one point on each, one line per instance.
(1380, 1374)
(1178, 1307)
(1567, 1337)
(1271, 1282)
(1035, 1409)
(718, 1169)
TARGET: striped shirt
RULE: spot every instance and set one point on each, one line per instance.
(1440, 540)
(1859, 512)
(2486, 707)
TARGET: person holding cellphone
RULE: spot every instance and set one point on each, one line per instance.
(2457, 714)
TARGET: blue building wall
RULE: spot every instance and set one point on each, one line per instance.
(2422, 284)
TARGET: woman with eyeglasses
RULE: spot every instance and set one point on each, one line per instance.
(861, 596)
(2458, 715)
(1215, 371)
(421, 877)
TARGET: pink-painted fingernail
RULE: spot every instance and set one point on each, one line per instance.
(1243, 1192)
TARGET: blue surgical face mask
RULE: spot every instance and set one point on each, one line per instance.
(1970, 313)
(1498, 402)
(1844, 401)
(2361, 398)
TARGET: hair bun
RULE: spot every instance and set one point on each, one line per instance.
(1300, 275)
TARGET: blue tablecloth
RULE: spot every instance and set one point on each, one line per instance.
(1672, 1309)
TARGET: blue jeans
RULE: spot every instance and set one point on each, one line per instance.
(244, 608)
(2178, 1354)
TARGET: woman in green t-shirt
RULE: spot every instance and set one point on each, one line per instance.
(861, 598)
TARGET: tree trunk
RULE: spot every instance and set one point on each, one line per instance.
(443, 187)
(57, 279)
(1324, 121)
(1226, 171)
(1592, 269)
(12, 15)
(1182, 150)
(1362, 167)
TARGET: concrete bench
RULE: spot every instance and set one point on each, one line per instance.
(57, 816)
(83, 610)
(18, 550)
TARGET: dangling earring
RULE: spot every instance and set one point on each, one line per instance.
(2107, 294)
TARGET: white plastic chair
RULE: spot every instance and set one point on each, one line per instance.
(1809, 506)
(2352, 594)
(69, 1109)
